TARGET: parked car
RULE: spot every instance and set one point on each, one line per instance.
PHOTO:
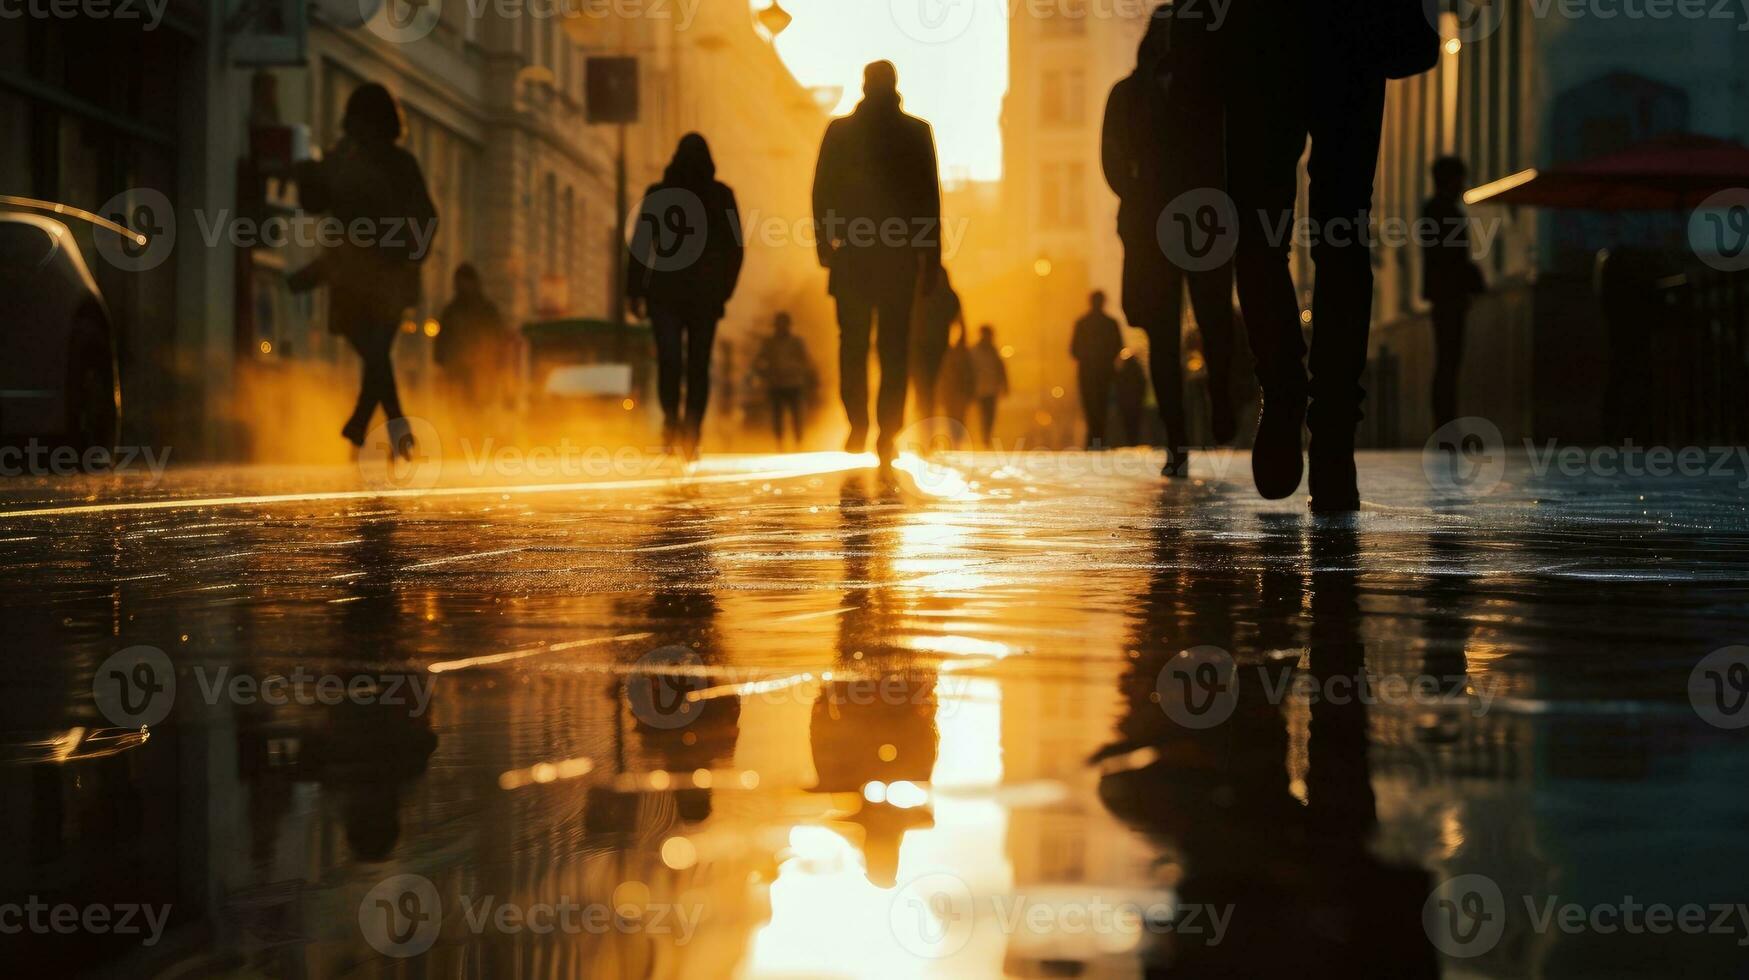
(59, 383)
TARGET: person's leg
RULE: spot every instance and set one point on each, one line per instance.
(987, 418)
(1165, 358)
(893, 339)
(1448, 352)
(795, 410)
(1346, 123)
(778, 396)
(358, 424)
(701, 335)
(1087, 383)
(854, 314)
(670, 363)
(1211, 298)
(1266, 133)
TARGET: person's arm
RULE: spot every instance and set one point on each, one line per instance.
(929, 210)
(421, 212)
(826, 198)
(637, 271)
(737, 246)
(1114, 154)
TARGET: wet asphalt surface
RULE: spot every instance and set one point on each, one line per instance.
(784, 716)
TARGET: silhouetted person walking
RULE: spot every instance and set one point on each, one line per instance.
(783, 364)
(1293, 69)
(989, 381)
(375, 191)
(471, 343)
(955, 384)
(1158, 144)
(931, 324)
(877, 218)
(1095, 345)
(1448, 280)
(685, 259)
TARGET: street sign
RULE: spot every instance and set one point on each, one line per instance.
(611, 88)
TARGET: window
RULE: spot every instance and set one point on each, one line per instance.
(1061, 203)
(1066, 18)
(1064, 97)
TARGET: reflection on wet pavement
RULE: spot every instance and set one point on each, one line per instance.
(1035, 716)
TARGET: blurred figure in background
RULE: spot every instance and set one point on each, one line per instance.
(877, 172)
(932, 321)
(683, 282)
(989, 381)
(1096, 343)
(1131, 384)
(471, 343)
(1155, 147)
(368, 181)
(954, 386)
(1449, 278)
(783, 364)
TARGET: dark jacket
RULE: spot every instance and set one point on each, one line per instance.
(1162, 129)
(877, 164)
(472, 334)
(379, 184)
(1447, 273)
(686, 248)
(1096, 343)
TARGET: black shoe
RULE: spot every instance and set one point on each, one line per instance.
(885, 450)
(1276, 462)
(1331, 478)
(857, 441)
(1177, 464)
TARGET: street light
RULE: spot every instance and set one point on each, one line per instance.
(774, 19)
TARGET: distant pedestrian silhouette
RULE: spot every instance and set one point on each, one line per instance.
(989, 381)
(1157, 145)
(932, 322)
(685, 258)
(954, 386)
(471, 345)
(1449, 280)
(367, 181)
(783, 364)
(1095, 345)
(877, 215)
(1292, 69)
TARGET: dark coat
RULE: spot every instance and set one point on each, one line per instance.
(877, 164)
(381, 185)
(1096, 343)
(686, 248)
(1447, 272)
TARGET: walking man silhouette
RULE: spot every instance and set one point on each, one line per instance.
(877, 221)
(1095, 345)
(1450, 279)
(1295, 69)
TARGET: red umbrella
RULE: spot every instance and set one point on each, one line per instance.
(1676, 172)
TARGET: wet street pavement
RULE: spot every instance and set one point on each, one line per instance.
(1027, 716)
